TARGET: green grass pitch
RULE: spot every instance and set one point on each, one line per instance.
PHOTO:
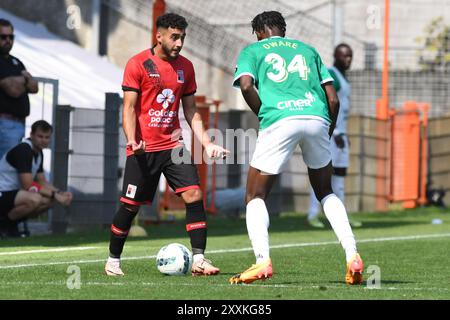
(411, 254)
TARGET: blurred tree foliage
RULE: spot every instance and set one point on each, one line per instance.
(435, 53)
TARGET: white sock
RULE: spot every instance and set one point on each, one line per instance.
(314, 206)
(337, 216)
(257, 218)
(338, 185)
(198, 257)
(113, 260)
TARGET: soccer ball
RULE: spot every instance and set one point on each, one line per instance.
(174, 260)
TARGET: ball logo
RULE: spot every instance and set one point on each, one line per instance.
(166, 97)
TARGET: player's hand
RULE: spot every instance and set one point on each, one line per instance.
(216, 152)
(339, 140)
(64, 198)
(137, 148)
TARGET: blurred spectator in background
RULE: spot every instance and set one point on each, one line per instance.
(435, 196)
(339, 143)
(24, 190)
(15, 84)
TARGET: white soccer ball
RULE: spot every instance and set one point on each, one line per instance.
(174, 260)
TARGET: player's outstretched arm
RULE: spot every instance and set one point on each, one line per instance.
(250, 94)
(194, 120)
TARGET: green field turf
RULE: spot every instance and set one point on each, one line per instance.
(411, 253)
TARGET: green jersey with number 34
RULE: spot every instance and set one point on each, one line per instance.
(288, 75)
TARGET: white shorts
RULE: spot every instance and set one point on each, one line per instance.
(276, 144)
(340, 157)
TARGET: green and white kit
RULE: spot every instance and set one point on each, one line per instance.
(289, 76)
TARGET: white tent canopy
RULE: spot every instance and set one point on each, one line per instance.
(83, 76)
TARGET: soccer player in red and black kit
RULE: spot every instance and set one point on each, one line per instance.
(155, 81)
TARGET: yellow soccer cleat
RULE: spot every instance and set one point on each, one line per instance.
(354, 271)
(259, 271)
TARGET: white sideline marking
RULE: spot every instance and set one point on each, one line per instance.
(47, 250)
(259, 285)
(281, 246)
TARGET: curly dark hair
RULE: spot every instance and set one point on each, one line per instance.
(270, 19)
(171, 20)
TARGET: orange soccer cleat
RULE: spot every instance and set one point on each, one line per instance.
(354, 273)
(259, 271)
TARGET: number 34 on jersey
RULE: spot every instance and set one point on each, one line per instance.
(280, 72)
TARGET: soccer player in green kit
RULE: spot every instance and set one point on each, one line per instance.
(290, 90)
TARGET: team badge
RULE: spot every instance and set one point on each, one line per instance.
(180, 78)
(131, 191)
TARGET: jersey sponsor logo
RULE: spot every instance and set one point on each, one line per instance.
(131, 191)
(299, 104)
(163, 118)
(166, 97)
(180, 76)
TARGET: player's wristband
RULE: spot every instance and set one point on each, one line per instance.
(35, 187)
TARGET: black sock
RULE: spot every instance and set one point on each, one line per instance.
(196, 226)
(119, 231)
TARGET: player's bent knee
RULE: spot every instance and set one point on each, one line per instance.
(192, 195)
(33, 200)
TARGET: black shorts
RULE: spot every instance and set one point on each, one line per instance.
(7, 202)
(142, 173)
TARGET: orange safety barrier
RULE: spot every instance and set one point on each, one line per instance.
(409, 154)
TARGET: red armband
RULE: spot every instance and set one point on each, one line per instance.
(35, 187)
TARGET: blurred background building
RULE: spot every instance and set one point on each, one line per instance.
(85, 44)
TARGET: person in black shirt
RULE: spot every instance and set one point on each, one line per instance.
(24, 190)
(15, 84)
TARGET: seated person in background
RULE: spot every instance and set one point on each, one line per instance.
(24, 190)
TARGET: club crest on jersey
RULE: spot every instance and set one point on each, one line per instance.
(166, 97)
(131, 191)
(180, 77)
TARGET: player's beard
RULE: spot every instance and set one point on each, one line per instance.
(169, 52)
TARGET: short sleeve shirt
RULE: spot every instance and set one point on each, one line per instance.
(20, 159)
(289, 76)
(20, 106)
(160, 85)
